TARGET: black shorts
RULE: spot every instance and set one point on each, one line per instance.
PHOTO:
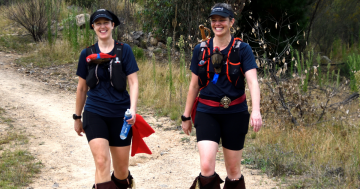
(231, 128)
(109, 128)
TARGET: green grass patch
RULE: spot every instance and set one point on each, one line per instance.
(322, 156)
(15, 43)
(138, 53)
(17, 168)
(185, 139)
(48, 55)
(9, 137)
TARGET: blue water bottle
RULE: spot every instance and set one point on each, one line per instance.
(126, 127)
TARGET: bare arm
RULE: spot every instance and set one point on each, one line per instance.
(134, 94)
(81, 91)
(192, 94)
(255, 118)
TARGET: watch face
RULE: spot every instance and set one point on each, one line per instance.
(76, 116)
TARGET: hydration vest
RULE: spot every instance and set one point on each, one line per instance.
(234, 70)
(114, 66)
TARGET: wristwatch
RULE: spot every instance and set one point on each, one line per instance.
(75, 117)
(183, 118)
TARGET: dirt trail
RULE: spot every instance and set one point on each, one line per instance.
(44, 113)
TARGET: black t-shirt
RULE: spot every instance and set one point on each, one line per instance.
(223, 87)
(104, 99)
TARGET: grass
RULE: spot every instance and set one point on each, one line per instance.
(17, 169)
(325, 155)
(47, 55)
(155, 93)
(11, 136)
(17, 165)
(185, 139)
(15, 43)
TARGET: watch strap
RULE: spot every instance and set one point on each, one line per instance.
(183, 118)
(75, 117)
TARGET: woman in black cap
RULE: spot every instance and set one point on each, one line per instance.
(107, 100)
(219, 67)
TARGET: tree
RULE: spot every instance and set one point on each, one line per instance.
(157, 17)
(334, 20)
(279, 21)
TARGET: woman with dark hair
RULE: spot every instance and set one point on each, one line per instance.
(104, 68)
(219, 68)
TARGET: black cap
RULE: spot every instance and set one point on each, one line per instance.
(103, 13)
(221, 11)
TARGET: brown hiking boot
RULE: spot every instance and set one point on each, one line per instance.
(211, 182)
(235, 184)
(106, 185)
(124, 184)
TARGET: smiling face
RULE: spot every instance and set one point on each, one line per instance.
(221, 25)
(103, 28)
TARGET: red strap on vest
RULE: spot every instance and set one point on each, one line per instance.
(193, 110)
(213, 104)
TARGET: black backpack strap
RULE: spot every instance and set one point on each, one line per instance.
(118, 51)
(90, 50)
(203, 55)
(91, 79)
(117, 75)
(237, 45)
(237, 49)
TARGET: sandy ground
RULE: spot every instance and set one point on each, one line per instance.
(45, 114)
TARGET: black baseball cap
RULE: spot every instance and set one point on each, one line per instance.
(221, 11)
(103, 13)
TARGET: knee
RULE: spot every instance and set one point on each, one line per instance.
(102, 162)
(207, 168)
(233, 169)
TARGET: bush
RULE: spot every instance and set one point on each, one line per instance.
(34, 15)
(354, 64)
(138, 53)
(82, 3)
(5, 2)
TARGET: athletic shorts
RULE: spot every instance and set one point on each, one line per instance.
(109, 128)
(231, 128)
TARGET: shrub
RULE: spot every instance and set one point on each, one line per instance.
(33, 15)
(138, 53)
(354, 65)
(5, 2)
(82, 3)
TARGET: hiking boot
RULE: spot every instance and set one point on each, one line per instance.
(235, 184)
(211, 182)
(106, 185)
(124, 184)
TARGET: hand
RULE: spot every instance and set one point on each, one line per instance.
(133, 117)
(255, 120)
(186, 126)
(78, 126)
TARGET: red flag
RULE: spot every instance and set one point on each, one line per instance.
(140, 130)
